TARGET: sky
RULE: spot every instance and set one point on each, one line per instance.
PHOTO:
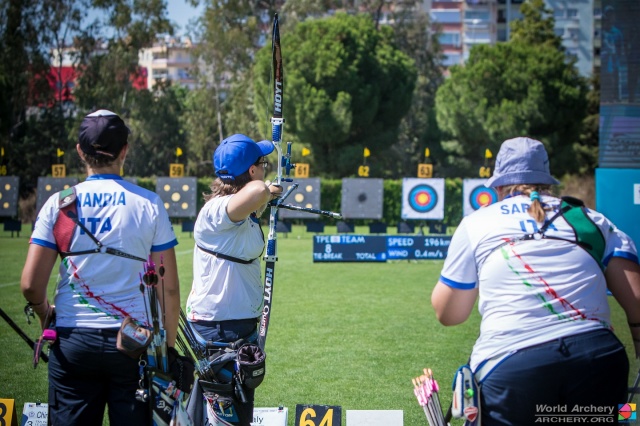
(180, 12)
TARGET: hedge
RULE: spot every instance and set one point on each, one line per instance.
(331, 198)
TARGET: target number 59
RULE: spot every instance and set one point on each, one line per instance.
(176, 170)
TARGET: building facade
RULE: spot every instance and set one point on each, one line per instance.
(466, 23)
(168, 59)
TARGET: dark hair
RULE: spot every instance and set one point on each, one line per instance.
(98, 161)
(220, 188)
(536, 209)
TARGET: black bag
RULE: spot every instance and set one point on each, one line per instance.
(252, 365)
(182, 370)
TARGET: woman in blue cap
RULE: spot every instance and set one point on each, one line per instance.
(226, 296)
(540, 268)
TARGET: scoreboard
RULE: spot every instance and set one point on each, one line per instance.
(378, 248)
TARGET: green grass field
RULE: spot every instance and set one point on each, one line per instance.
(345, 334)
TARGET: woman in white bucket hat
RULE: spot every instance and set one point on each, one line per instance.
(540, 267)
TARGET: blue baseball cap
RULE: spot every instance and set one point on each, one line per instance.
(237, 153)
(521, 161)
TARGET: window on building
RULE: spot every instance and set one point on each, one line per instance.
(450, 38)
(572, 13)
(451, 59)
(558, 13)
(446, 16)
(160, 73)
(574, 33)
(559, 32)
(479, 15)
(502, 34)
(572, 54)
(160, 55)
(473, 36)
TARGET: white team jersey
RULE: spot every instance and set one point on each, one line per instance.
(533, 291)
(222, 289)
(99, 290)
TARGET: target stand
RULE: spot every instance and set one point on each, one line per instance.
(9, 186)
(307, 195)
(405, 228)
(47, 186)
(361, 198)
(178, 196)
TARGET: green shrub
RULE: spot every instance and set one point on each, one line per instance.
(331, 199)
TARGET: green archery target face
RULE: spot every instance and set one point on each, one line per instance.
(178, 195)
(361, 198)
(422, 198)
(9, 195)
(306, 195)
(47, 186)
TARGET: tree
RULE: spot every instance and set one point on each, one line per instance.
(200, 125)
(23, 83)
(536, 26)
(524, 87)
(108, 56)
(418, 129)
(347, 87)
(230, 33)
(154, 123)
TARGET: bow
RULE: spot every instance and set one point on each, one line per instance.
(282, 175)
(284, 161)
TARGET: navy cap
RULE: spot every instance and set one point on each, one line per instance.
(237, 153)
(103, 133)
(521, 161)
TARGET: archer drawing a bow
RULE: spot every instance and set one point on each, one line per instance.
(282, 175)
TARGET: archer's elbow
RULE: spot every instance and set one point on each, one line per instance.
(452, 307)
(448, 319)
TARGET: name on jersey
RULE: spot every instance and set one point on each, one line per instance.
(514, 208)
(103, 199)
(97, 225)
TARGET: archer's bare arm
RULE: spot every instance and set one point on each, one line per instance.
(452, 306)
(35, 278)
(623, 280)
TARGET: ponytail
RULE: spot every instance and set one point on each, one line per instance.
(537, 210)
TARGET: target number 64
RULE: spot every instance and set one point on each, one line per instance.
(318, 415)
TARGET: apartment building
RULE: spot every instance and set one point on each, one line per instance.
(168, 59)
(466, 23)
